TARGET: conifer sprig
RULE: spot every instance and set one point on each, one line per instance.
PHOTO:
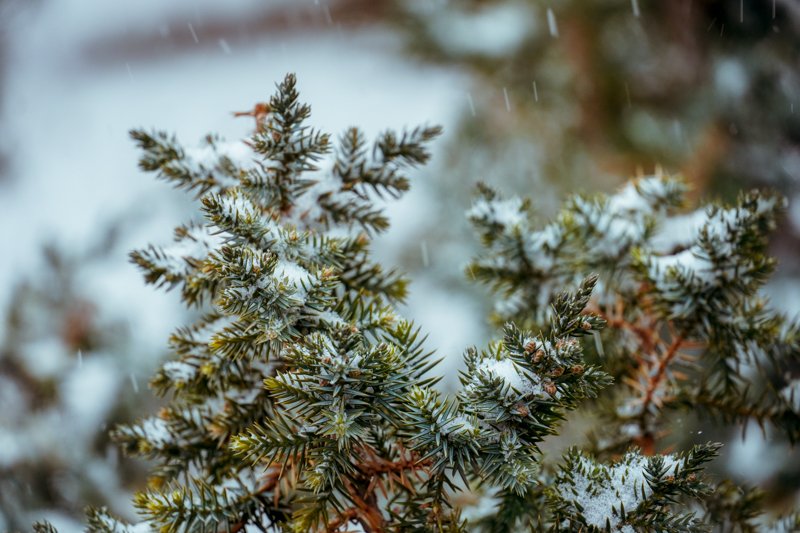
(299, 366)
(302, 401)
(680, 294)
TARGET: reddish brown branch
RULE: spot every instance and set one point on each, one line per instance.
(343, 518)
(646, 441)
(646, 334)
(362, 491)
(270, 483)
(661, 371)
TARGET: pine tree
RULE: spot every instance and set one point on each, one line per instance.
(687, 329)
(300, 400)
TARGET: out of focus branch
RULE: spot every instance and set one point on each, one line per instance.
(186, 34)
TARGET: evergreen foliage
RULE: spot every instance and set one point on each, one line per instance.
(300, 400)
(689, 329)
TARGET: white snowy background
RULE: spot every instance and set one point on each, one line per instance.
(78, 74)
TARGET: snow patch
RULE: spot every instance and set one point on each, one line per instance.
(678, 231)
(508, 371)
(602, 491)
(156, 431)
(179, 371)
(508, 213)
(459, 425)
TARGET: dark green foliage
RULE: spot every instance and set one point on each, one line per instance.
(44, 527)
(585, 494)
(688, 328)
(302, 400)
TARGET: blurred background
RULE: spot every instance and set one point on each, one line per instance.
(540, 98)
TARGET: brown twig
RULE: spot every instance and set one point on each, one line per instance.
(661, 370)
(270, 482)
(646, 441)
(658, 346)
(367, 511)
(343, 518)
(646, 334)
(372, 469)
